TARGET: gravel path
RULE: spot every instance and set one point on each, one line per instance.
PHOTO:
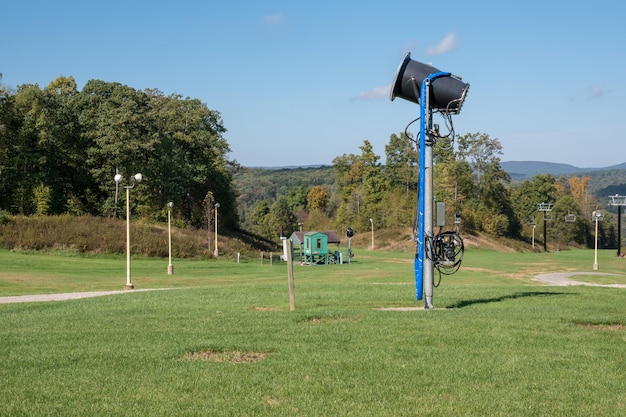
(68, 296)
(563, 278)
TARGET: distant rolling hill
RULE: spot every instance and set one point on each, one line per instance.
(605, 181)
(255, 181)
(520, 170)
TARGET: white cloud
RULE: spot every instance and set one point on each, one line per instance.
(374, 93)
(445, 45)
(410, 45)
(596, 90)
(272, 19)
(591, 91)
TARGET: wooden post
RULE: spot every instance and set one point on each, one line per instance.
(261, 257)
(292, 297)
(271, 257)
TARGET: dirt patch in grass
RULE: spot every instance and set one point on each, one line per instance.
(234, 356)
(398, 261)
(474, 269)
(614, 327)
(330, 319)
(259, 308)
(401, 308)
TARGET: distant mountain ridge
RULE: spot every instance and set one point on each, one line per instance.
(519, 170)
(253, 182)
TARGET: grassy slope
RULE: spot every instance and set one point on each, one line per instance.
(505, 346)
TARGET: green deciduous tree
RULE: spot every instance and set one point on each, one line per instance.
(175, 143)
(480, 151)
(260, 218)
(349, 173)
(362, 187)
(45, 148)
(402, 163)
(281, 218)
(490, 207)
(72, 144)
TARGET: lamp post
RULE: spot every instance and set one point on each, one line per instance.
(215, 251)
(532, 223)
(134, 179)
(372, 223)
(596, 216)
(170, 267)
(349, 236)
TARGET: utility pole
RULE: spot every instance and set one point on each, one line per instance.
(546, 208)
(618, 201)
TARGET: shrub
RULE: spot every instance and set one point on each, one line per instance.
(97, 235)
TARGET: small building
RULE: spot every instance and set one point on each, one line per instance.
(314, 247)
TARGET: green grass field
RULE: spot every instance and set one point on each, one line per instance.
(223, 342)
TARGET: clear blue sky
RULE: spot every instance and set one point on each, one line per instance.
(301, 82)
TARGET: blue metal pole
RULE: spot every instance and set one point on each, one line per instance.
(419, 259)
(425, 193)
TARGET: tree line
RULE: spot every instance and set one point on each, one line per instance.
(361, 191)
(61, 148)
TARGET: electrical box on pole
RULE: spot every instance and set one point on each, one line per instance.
(440, 220)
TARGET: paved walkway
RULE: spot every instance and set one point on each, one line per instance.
(563, 278)
(68, 296)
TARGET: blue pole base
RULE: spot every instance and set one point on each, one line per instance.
(419, 284)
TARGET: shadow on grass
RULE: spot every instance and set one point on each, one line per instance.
(466, 303)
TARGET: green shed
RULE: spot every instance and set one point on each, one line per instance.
(315, 248)
(334, 257)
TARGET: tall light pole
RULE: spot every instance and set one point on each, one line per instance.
(545, 208)
(596, 216)
(117, 191)
(215, 251)
(618, 201)
(372, 223)
(134, 179)
(170, 267)
(532, 222)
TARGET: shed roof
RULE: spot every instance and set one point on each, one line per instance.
(297, 238)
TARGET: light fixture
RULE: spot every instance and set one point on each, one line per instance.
(170, 267)
(215, 251)
(118, 180)
(445, 93)
(596, 216)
